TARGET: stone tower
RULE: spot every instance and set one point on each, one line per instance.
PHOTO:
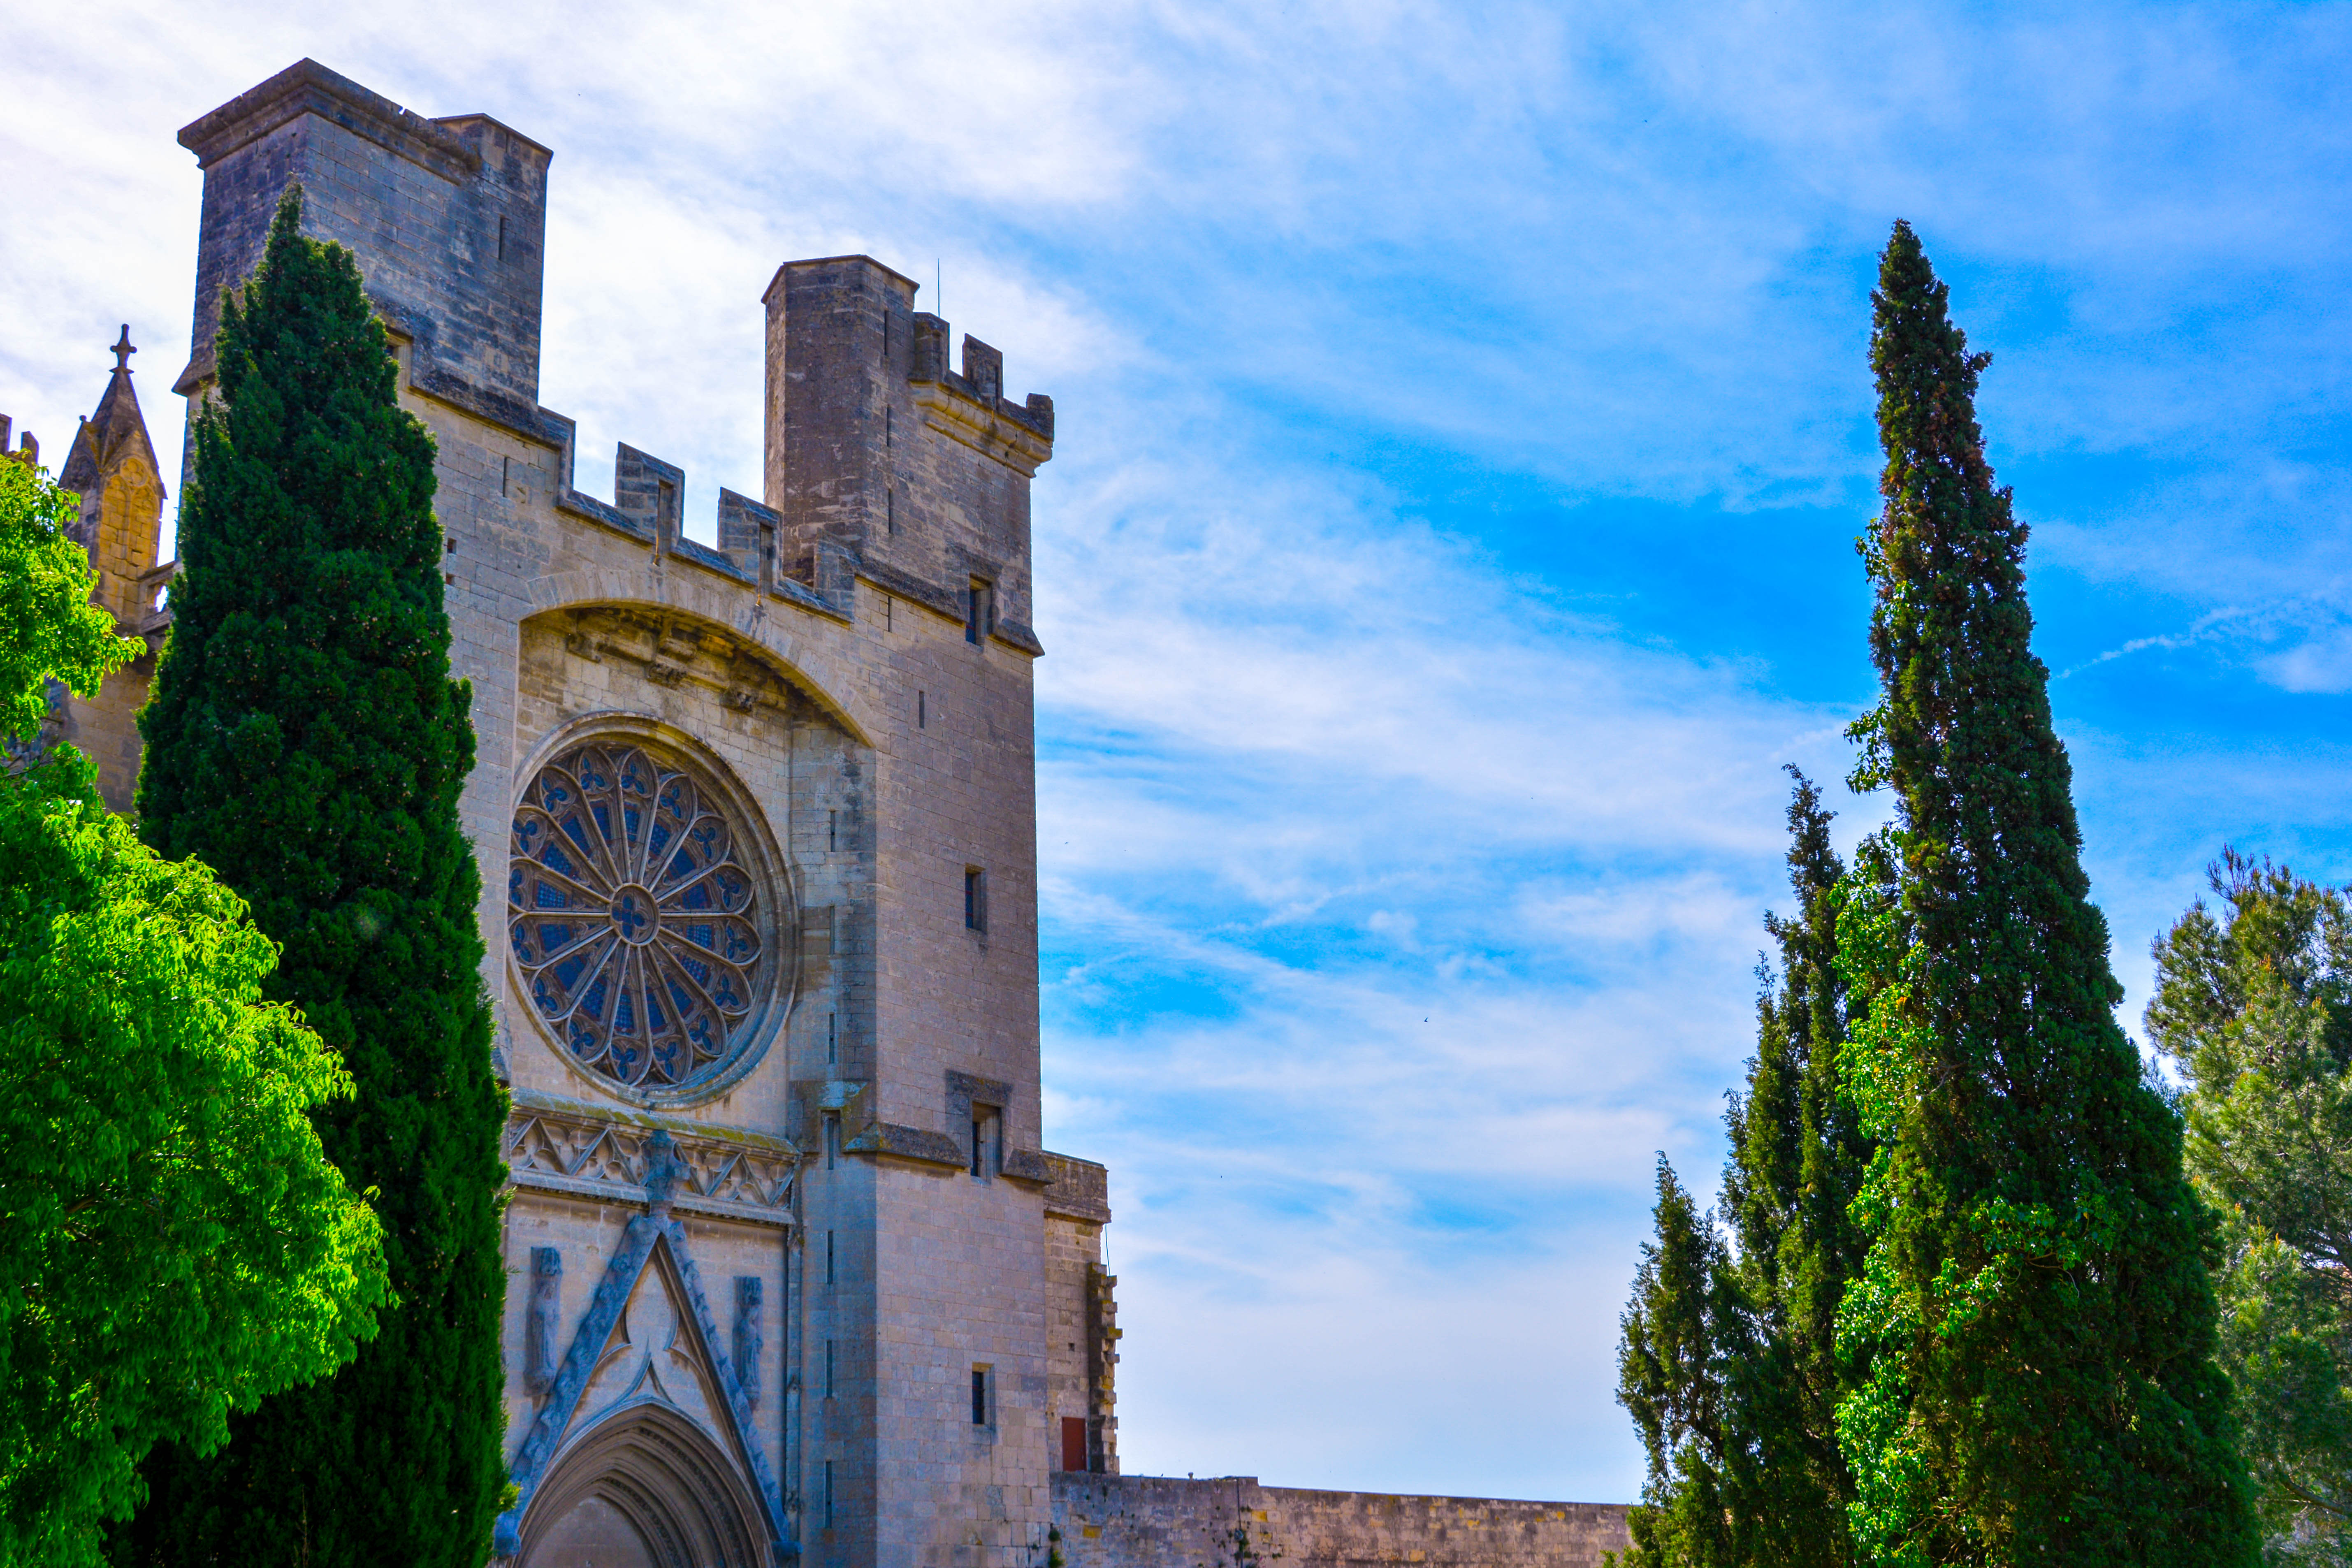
(789, 1269)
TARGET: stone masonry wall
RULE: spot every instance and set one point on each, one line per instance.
(1231, 1522)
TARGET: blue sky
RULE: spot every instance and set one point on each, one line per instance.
(1465, 424)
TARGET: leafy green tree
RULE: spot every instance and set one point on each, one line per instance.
(173, 1243)
(1729, 1362)
(2044, 1388)
(48, 628)
(2255, 1005)
(306, 739)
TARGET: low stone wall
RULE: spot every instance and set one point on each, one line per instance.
(1231, 1522)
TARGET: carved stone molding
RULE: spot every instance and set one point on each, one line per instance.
(590, 1152)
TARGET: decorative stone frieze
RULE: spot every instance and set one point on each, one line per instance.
(605, 1152)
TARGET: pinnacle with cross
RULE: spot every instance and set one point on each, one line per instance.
(123, 351)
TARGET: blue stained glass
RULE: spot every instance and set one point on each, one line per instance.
(593, 1004)
(548, 895)
(660, 839)
(681, 1000)
(683, 864)
(654, 1022)
(624, 1017)
(567, 974)
(698, 897)
(544, 996)
(556, 861)
(583, 1041)
(706, 834)
(700, 1035)
(603, 815)
(739, 946)
(695, 967)
(630, 823)
(577, 834)
(700, 934)
(724, 993)
(554, 937)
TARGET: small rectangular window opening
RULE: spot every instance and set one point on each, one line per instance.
(505, 465)
(829, 1258)
(980, 1395)
(922, 710)
(887, 425)
(502, 237)
(828, 1494)
(832, 1038)
(987, 1140)
(890, 525)
(975, 898)
(831, 1138)
(832, 832)
(978, 610)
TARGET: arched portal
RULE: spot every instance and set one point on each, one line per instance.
(646, 1488)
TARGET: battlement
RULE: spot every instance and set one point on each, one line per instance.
(649, 504)
(448, 218)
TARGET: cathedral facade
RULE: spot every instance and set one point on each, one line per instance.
(789, 1270)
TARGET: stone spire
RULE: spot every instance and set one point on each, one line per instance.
(111, 466)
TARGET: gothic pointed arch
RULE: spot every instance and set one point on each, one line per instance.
(645, 1486)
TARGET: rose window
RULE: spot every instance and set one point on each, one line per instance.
(634, 915)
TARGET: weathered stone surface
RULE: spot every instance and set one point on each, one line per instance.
(1231, 1522)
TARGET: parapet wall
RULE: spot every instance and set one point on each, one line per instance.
(1231, 1522)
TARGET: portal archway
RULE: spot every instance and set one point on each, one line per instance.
(646, 1488)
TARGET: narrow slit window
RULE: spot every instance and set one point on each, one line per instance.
(831, 1138)
(890, 525)
(922, 710)
(828, 1494)
(828, 1368)
(832, 1038)
(502, 237)
(978, 610)
(889, 424)
(829, 1258)
(979, 1396)
(975, 898)
(832, 832)
(987, 1140)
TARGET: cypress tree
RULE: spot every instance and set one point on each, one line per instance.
(2045, 1390)
(1669, 1379)
(305, 739)
(1797, 1160)
(1729, 1362)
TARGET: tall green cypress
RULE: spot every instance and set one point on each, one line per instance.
(1729, 1362)
(305, 739)
(1669, 1379)
(2045, 1390)
(1797, 1159)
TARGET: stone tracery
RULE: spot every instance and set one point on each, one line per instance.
(634, 915)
